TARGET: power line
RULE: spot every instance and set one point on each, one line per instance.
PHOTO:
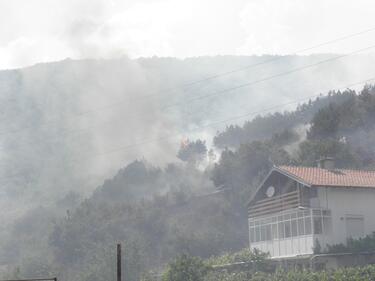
(217, 75)
(214, 94)
(236, 87)
(213, 124)
(246, 84)
(271, 77)
(214, 76)
(233, 118)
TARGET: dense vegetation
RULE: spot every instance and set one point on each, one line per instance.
(354, 274)
(194, 207)
(256, 268)
(362, 244)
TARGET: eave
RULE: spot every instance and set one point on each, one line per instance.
(281, 171)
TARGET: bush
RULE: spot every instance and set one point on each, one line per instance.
(256, 258)
(365, 244)
(186, 268)
(366, 273)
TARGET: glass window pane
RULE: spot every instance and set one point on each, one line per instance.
(252, 234)
(281, 229)
(317, 213)
(274, 231)
(268, 232)
(327, 225)
(257, 234)
(288, 231)
(301, 227)
(307, 225)
(263, 233)
(294, 228)
(294, 215)
(317, 225)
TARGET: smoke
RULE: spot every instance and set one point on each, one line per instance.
(69, 125)
(43, 31)
(301, 131)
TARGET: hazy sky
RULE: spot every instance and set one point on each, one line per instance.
(34, 31)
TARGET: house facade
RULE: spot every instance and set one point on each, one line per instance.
(297, 210)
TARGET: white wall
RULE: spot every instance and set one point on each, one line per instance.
(347, 201)
(341, 202)
(286, 247)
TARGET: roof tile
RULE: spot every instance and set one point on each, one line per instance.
(338, 177)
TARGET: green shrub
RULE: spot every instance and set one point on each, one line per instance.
(365, 244)
(255, 256)
(366, 273)
(186, 268)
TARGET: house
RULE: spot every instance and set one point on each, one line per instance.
(298, 209)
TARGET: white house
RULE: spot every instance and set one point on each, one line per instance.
(295, 207)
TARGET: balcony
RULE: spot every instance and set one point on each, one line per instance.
(290, 232)
(275, 204)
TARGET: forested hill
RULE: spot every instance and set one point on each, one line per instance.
(263, 127)
(194, 206)
(63, 113)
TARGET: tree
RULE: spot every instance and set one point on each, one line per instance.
(239, 169)
(325, 123)
(192, 152)
(186, 268)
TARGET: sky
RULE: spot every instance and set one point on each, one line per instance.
(33, 31)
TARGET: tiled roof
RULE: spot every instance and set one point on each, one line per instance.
(323, 177)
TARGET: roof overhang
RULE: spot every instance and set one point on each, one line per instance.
(280, 171)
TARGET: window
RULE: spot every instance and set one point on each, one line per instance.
(268, 232)
(318, 225)
(301, 227)
(252, 235)
(288, 231)
(354, 226)
(327, 225)
(294, 228)
(281, 230)
(257, 234)
(274, 231)
(298, 223)
(317, 213)
(263, 233)
(307, 225)
(287, 217)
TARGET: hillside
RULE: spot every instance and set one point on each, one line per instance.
(69, 115)
(159, 212)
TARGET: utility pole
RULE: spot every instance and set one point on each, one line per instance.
(118, 262)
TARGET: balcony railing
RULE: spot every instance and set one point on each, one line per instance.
(275, 204)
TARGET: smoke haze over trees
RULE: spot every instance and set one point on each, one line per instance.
(96, 151)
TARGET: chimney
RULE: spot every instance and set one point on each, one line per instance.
(326, 163)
